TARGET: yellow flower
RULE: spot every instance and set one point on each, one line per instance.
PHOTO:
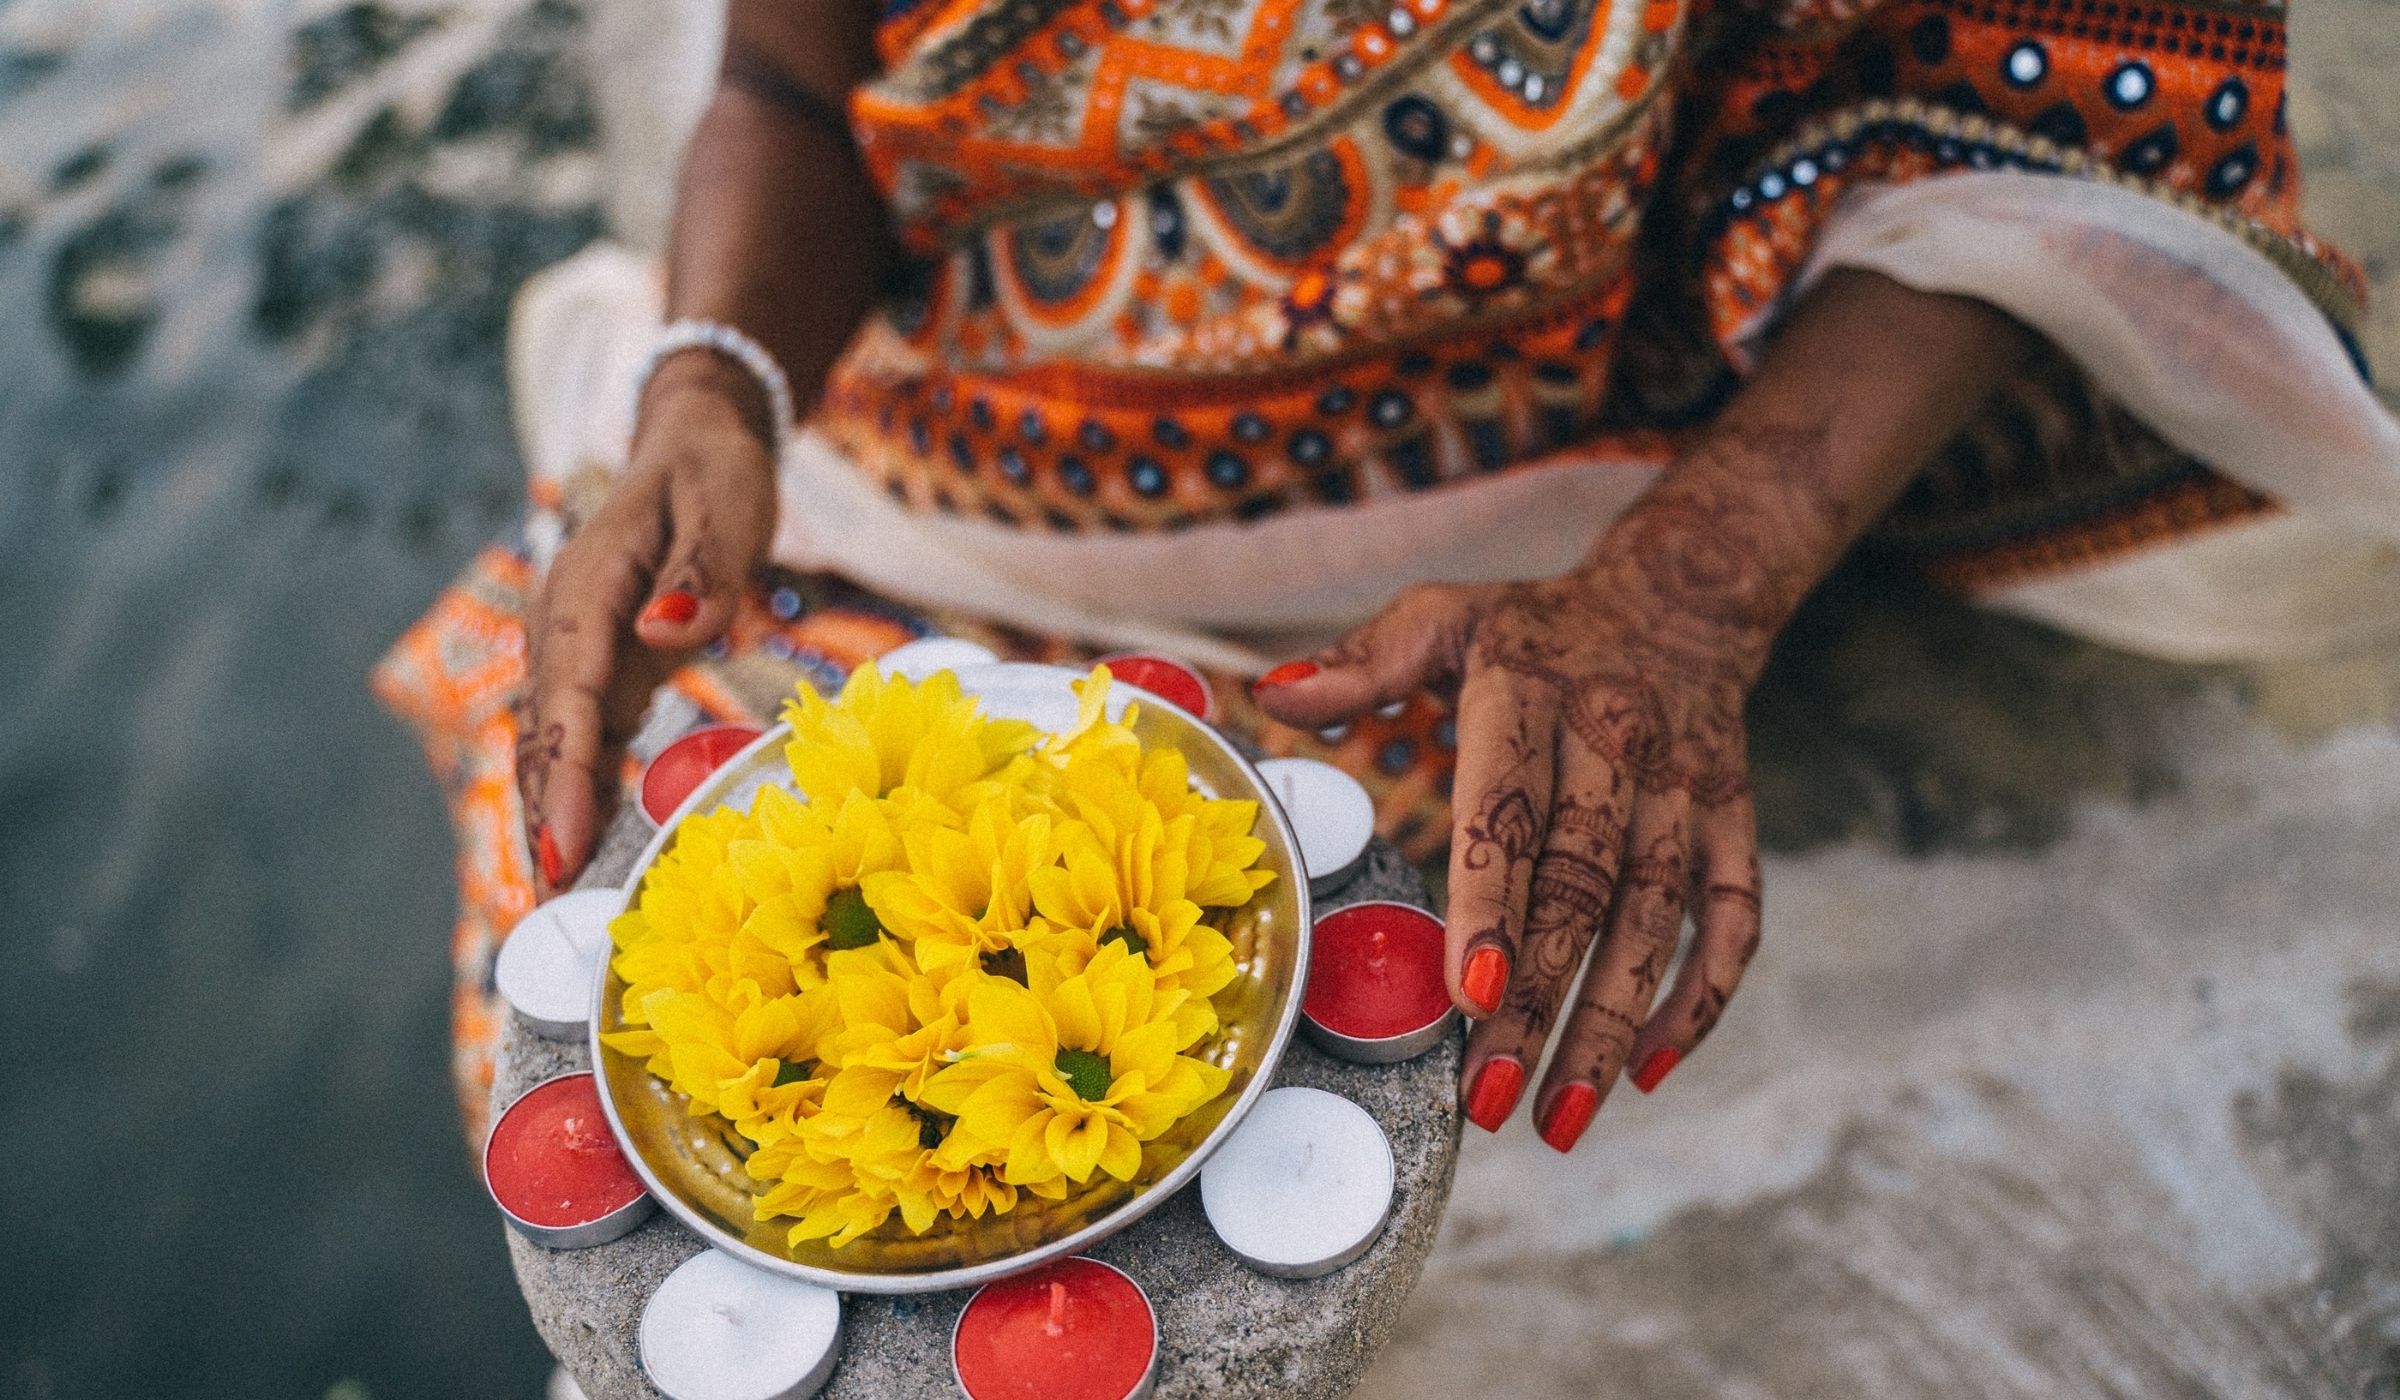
(726, 1056)
(1138, 894)
(1184, 954)
(805, 873)
(1094, 737)
(898, 1028)
(680, 930)
(1224, 850)
(1191, 847)
(887, 733)
(964, 892)
(1071, 1079)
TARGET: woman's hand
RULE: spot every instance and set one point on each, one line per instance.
(779, 231)
(1603, 790)
(1602, 787)
(652, 577)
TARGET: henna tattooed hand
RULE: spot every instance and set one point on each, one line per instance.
(1603, 788)
(677, 540)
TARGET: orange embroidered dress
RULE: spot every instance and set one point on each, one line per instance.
(1258, 309)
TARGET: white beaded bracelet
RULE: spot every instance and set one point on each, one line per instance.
(734, 345)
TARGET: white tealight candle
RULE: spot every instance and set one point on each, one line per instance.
(1330, 813)
(548, 966)
(720, 1329)
(1303, 1186)
(921, 658)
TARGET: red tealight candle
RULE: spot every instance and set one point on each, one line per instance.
(1375, 989)
(1074, 1330)
(554, 1168)
(686, 763)
(1170, 680)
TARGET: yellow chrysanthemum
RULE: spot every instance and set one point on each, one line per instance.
(1072, 1079)
(884, 733)
(1207, 840)
(806, 873)
(679, 934)
(1139, 893)
(963, 893)
(726, 1057)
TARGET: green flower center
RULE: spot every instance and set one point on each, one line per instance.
(1085, 1073)
(848, 922)
(790, 1072)
(1123, 933)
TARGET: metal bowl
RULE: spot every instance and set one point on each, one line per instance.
(693, 1163)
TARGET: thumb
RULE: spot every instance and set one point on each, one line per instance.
(714, 545)
(1417, 643)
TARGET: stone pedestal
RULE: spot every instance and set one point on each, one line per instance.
(1226, 1332)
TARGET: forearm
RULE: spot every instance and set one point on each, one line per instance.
(778, 229)
(1866, 380)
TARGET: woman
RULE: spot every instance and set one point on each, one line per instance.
(1522, 365)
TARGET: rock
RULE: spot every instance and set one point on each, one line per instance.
(1226, 1332)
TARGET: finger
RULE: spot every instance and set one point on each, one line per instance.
(1569, 899)
(574, 719)
(1643, 927)
(715, 534)
(1726, 888)
(1417, 643)
(1500, 802)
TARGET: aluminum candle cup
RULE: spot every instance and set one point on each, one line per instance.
(718, 1329)
(544, 969)
(1077, 1329)
(921, 658)
(1304, 1186)
(1376, 993)
(554, 1168)
(1168, 679)
(1330, 813)
(686, 763)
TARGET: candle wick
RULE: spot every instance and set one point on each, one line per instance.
(1057, 1325)
(727, 1311)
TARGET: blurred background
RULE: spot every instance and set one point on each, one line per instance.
(2074, 1054)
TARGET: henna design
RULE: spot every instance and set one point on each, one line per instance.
(1507, 829)
(1707, 1009)
(1652, 970)
(1602, 1034)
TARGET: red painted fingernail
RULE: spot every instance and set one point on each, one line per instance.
(1485, 978)
(1497, 1085)
(1654, 1069)
(1287, 673)
(1570, 1113)
(545, 849)
(674, 609)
